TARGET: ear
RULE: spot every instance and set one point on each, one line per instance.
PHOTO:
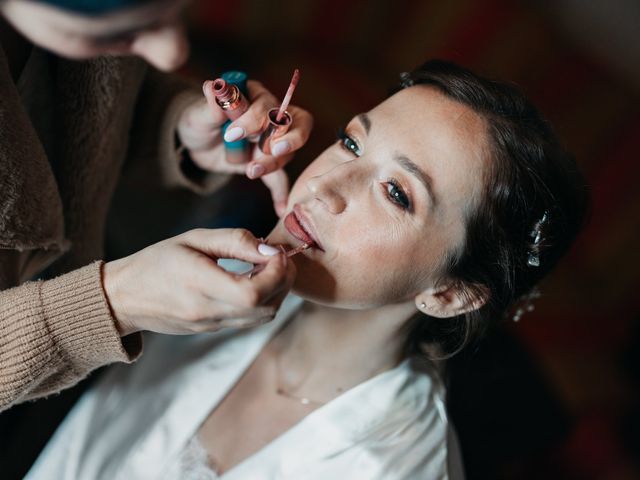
(451, 300)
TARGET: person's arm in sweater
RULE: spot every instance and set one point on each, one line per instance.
(45, 345)
(54, 332)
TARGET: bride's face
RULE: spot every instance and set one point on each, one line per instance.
(387, 202)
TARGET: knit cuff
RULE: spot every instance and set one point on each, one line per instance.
(80, 321)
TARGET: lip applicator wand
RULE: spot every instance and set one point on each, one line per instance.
(289, 253)
(279, 119)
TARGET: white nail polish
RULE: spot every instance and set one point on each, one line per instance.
(280, 148)
(267, 250)
(233, 134)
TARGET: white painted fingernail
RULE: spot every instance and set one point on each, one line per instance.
(233, 134)
(256, 170)
(267, 250)
(280, 148)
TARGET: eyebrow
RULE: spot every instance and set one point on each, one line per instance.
(365, 121)
(406, 163)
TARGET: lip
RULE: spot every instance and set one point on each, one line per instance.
(298, 224)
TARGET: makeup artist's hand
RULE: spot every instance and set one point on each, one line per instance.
(176, 286)
(200, 132)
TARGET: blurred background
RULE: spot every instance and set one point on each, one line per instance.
(554, 396)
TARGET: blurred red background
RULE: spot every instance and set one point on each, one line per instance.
(556, 394)
(580, 65)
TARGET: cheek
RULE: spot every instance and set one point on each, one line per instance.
(372, 267)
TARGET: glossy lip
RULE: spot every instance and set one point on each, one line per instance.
(306, 225)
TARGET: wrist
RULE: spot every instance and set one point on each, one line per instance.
(116, 296)
(188, 166)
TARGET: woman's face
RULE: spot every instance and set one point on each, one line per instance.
(152, 31)
(386, 203)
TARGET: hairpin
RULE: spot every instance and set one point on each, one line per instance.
(533, 259)
(406, 80)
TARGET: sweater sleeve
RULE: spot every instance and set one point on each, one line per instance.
(154, 154)
(54, 332)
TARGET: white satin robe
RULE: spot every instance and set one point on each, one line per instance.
(136, 420)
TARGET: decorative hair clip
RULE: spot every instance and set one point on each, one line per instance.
(406, 80)
(533, 259)
(526, 304)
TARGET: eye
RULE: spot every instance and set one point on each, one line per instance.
(348, 143)
(397, 195)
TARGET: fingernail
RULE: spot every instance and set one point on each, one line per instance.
(268, 250)
(233, 134)
(256, 170)
(280, 148)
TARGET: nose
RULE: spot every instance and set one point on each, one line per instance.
(166, 47)
(334, 187)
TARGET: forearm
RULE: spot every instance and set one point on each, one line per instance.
(53, 333)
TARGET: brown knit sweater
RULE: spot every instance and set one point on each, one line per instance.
(108, 115)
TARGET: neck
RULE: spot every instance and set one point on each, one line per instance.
(324, 351)
(15, 46)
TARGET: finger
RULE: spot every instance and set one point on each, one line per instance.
(277, 299)
(241, 292)
(278, 184)
(275, 178)
(277, 278)
(260, 315)
(224, 243)
(254, 120)
(296, 136)
(243, 322)
(215, 160)
(200, 116)
(234, 313)
(215, 113)
(262, 164)
(196, 127)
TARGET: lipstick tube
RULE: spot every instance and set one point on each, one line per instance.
(274, 129)
(230, 93)
(229, 96)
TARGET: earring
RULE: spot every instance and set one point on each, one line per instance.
(423, 305)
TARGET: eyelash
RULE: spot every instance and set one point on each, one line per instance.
(394, 191)
(396, 194)
(348, 143)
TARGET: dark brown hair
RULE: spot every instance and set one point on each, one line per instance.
(533, 206)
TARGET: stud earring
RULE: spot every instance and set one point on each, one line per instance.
(423, 305)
